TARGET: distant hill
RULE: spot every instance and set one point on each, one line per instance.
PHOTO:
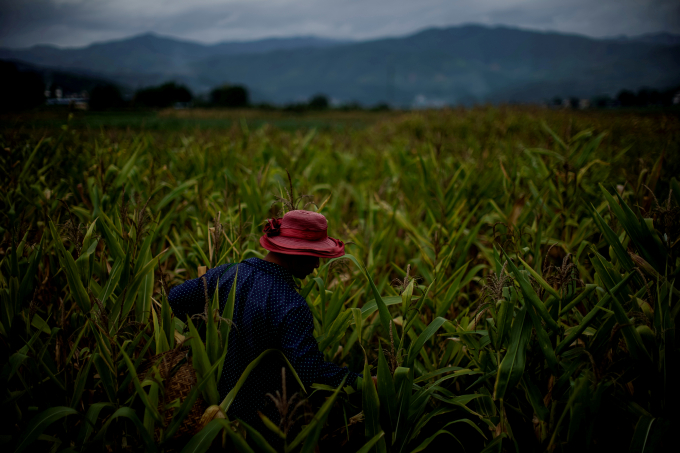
(665, 39)
(69, 82)
(152, 54)
(466, 64)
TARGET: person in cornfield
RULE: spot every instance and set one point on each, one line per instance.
(269, 314)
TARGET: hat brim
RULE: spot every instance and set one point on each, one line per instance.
(325, 248)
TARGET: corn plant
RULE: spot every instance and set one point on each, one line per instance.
(511, 284)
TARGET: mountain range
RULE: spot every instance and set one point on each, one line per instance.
(455, 65)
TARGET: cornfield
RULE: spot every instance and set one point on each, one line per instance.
(512, 283)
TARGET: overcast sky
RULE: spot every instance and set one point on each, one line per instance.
(80, 22)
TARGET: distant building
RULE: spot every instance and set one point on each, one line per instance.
(584, 104)
(676, 98)
(423, 102)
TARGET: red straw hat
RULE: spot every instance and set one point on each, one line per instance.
(301, 233)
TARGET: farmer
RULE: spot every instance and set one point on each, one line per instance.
(269, 313)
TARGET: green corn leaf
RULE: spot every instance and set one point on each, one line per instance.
(257, 438)
(136, 283)
(201, 364)
(403, 384)
(102, 347)
(371, 306)
(453, 290)
(334, 308)
(237, 440)
(427, 418)
(174, 193)
(26, 287)
(415, 348)
(89, 247)
(106, 376)
(543, 341)
(512, 366)
(580, 386)
(358, 327)
(90, 421)
(428, 376)
(72, 274)
(533, 395)
(613, 240)
(112, 281)
(127, 168)
(108, 231)
(503, 321)
(201, 442)
(166, 319)
(143, 302)
(77, 342)
(638, 232)
(271, 426)
(423, 445)
(322, 296)
(160, 340)
(386, 394)
(149, 420)
(80, 382)
(531, 297)
(126, 412)
(39, 423)
(406, 297)
(371, 406)
(226, 402)
(545, 285)
(414, 315)
(588, 319)
(554, 136)
(310, 434)
(213, 348)
(631, 336)
(641, 436)
(578, 299)
(152, 408)
(369, 445)
(336, 331)
(29, 161)
(384, 313)
(225, 326)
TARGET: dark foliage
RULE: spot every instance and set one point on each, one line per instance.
(318, 102)
(230, 96)
(23, 89)
(163, 96)
(106, 97)
(647, 97)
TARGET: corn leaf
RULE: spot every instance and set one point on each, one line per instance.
(39, 423)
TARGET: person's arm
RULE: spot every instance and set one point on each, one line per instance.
(302, 350)
(188, 298)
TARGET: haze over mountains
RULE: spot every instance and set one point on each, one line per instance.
(465, 64)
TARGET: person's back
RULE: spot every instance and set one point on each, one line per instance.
(268, 314)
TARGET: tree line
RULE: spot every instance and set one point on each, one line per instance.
(30, 88)
(642, 98)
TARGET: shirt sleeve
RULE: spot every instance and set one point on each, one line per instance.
(302, 350)
(188, 298)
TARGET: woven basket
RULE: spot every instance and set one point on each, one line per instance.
(179, 378)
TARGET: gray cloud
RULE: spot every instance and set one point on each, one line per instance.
(80, 22)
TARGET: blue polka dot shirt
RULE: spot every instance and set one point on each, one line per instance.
(268, 314)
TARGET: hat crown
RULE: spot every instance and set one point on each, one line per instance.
(304, 220)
